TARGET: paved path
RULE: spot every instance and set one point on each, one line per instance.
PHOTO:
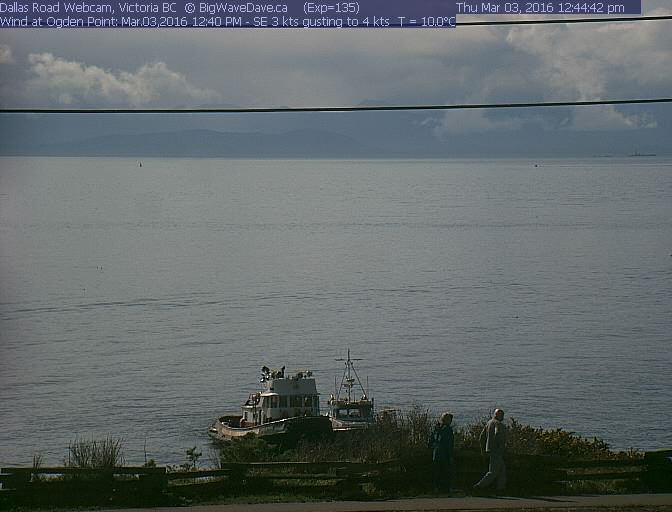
(562, 503)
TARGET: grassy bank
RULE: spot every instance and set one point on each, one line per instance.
(392, 460)
(404, 436)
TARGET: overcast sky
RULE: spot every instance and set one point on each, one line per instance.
(332, 67)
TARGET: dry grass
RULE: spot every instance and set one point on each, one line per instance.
(95, 454)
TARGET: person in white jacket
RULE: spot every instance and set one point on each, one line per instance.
(493, 443)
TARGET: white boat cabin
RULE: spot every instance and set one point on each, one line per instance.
(355, 410)
(282, 397)
(345, 411)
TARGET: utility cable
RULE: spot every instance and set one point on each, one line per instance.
(359, 108)
(550, 21)
(378, 108)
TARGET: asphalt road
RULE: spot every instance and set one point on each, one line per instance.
(627, 502)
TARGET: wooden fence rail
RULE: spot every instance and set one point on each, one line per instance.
(353, 473)
(653, 472)
(21, 478)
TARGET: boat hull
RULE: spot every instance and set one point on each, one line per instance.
(349, 426)
(226, 428)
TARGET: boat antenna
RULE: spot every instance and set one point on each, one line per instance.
(347, 381)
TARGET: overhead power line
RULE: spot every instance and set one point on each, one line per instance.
(358, 108)
(379, 108)
(551, 21)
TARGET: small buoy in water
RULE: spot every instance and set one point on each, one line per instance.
(140, 164)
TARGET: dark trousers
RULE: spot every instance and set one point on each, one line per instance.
(441, 474)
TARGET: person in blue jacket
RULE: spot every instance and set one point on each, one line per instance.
(442, 443)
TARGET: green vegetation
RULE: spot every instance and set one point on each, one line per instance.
(533, 454)
(389, 459)
(191, 463)
(526, 440)
(404, 437)
(394, 436)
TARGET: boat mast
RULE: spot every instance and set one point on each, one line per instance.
(348, 381)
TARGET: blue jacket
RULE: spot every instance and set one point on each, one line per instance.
(442, 442)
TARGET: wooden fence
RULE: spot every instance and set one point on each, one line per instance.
(652, 473)
(238, 476)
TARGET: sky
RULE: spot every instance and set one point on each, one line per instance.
(340, 67)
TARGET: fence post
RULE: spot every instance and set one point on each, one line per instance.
(16, 478)
(237, 475)
(658, 475)
(155, 481)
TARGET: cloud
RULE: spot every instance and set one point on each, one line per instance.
(339, 67)
(6, 54)
(610, 61)
(472, 121)
(569, 63)
(608, 118)
(66, 82)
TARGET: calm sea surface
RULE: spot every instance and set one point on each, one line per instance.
(142, 301)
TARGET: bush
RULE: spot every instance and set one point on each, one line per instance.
(526, 440)
(404, 437)
(95, 454)
(394, 436)
(249, 448)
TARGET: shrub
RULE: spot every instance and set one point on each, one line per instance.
(95, 454)
(249, 448)
(527, 440)
(37, 461)
(393, 436)
(404, 437)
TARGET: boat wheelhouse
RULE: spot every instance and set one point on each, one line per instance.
(346, 412)
(285, 405)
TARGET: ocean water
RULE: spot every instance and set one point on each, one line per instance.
(141, 302)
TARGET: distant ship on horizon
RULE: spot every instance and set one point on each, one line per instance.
(637, 153)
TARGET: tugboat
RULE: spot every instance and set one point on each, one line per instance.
(345, 412)
(286, 408)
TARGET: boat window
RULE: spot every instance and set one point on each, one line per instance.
(264, 403)
(274, 402)
(295, 400)
(283, 401)
(308, 401)
(348, 413)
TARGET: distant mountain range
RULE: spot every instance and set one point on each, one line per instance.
(362, 136)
